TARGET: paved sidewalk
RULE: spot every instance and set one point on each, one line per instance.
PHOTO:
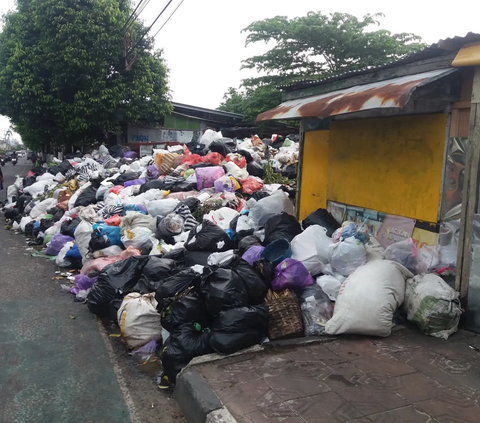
(406, 378)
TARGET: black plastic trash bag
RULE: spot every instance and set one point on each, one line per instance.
(281, 226)
(239, 328)
(256, 169)
(68, 227)
(22, 201)
(223, 289)
(253, 280)
(323, 218)
(246, 154)
(98, 242)
(87, 197)
(29, 229)
(45, 224)
(245, 243)
(176, 284)
(155, 271)
(124, 177)
(290, 172)
(209, 237)
(189, 308)
(316, 309)
(115, 280)
(184, 343)
(223, 146)
(13, 214)
(117, 151)
(266, 269)
(56, 212)
(155, 184)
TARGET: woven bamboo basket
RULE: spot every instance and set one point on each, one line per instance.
(285, 316)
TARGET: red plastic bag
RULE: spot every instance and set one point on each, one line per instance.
(114, 220)
(191, 159)
(213, 158)
(250, 185)
(116, 189)
(239, 162)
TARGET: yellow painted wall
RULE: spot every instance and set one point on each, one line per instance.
(393, 165)
(313, 194)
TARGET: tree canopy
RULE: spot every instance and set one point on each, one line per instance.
(64, 75)
(312, 46)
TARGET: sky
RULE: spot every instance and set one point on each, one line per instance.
(204, 46)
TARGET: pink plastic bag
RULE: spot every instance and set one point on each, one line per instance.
(206, 176)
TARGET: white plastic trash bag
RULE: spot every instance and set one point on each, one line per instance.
(83, 234)
(42, 207)
(347, 255)
(112, 251)
(218, 259)
(139, 320)
(60, 259)
(311, 247)
(162, 207)
(222, 217)
(236, 171)
(432, 305)
(209, 136)
(139, 237)
(12, 191)
(368, 298)
(330, 285)
(39, 188)
(25, 220)
(261, 210)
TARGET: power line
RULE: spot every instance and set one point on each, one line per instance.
(150, 27)
(131, 16)
(179, 4)
(137, 14)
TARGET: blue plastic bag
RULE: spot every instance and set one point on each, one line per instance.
(73, 253)
(113, 233)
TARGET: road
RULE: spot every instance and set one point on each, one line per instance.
(59, 363)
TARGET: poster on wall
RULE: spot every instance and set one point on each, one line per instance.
(395, 229)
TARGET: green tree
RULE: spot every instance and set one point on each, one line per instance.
(313, 46)
(64, 75)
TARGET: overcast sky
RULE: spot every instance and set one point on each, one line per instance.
(204, 45)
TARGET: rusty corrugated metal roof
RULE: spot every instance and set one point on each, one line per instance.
(392, 93)
(440, 48)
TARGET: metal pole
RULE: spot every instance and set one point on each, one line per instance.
(470, 193)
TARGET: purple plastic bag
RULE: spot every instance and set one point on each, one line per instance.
(224, 184)
(57, 243)
(147, 349)
(130, 155)
(140, 181)
(82, 283)
(291, 274)
(253, 254)
(152, 172)
(206, 176)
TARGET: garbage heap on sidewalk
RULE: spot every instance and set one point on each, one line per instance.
(196, 250)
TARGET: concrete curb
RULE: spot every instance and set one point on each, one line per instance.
(198, 400)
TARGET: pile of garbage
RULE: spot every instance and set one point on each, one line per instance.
(196, 249)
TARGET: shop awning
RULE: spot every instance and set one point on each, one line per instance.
(391, 93)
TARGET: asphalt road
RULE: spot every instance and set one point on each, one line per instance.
(59, 364)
